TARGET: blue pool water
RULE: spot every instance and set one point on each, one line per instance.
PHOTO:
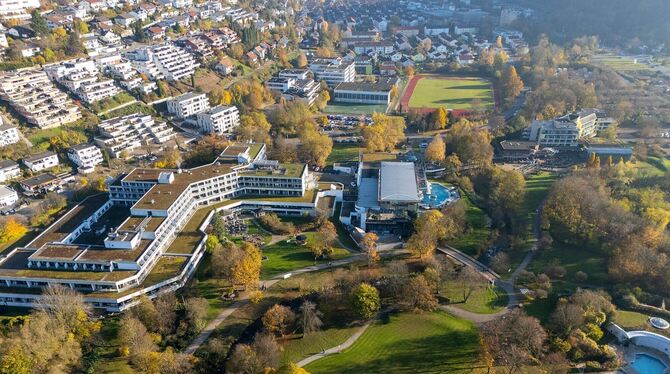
(646, 364)
(439, 195)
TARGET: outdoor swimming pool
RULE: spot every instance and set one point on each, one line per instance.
(438, 197)
(647, 364)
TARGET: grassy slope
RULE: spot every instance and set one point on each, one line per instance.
(484, 300)
(343, 153)
(409, 343)
(451, 93)
(284, 257)
(478, 236)
(299, 348)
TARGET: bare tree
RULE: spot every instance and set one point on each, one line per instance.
(310, 317)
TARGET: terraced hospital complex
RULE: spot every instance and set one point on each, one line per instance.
(147, 235)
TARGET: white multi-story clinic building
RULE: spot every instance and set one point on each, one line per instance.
(136, 253)
(85, 156)
(188, 104)
(219, 120)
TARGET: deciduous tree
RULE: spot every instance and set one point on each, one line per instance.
(365, 300)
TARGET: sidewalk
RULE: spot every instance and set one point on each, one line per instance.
(337, 349)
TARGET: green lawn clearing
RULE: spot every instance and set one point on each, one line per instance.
(573, 258)
(285, 256)
(409, 343)
(477, 236)
(483, 300)
(300, 347)
(344, 153)
(451, 93)
(630, 320)
(537, 188)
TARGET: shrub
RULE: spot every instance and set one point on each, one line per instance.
(273, 224)
(581, 276)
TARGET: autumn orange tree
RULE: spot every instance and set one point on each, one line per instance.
(436, 150)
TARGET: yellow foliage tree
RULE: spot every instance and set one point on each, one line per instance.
(12, 230)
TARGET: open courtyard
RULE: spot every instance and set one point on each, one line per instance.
(452, 93)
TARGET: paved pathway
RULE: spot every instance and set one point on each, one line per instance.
(117, 107)
(244, 298)
(337, 349)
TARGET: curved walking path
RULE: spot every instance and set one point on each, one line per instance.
(244, 297)
(337, 349)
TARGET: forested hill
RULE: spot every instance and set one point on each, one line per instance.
(616, 22)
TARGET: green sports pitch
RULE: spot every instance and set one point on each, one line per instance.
(450, 93)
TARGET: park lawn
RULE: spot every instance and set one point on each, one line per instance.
(409, 343)
(298, 348)
(630, 320)
(652, 167)
(344, 153)
(451, 93)
(110, 362)
(483, 300)
(283, 257)
(537, 189)
(473, 241)
(573, 258)
(254, 229)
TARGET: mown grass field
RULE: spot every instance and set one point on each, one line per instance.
(451, 93)
(483, 300)
(621, 63)
(283, 257)
(344, 153)
(573, 258)
(409, 343)
(476, 238)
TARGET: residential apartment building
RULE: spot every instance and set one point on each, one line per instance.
(81, 78)
(85, 156)
(41, 161)
(127, 133)
(218, 120)
(17, 9)
(116, 270)
(333, 71)
(9, 170)
(165, 61)
(295, 84)
(8, 196)
(9, 134)
(188, 104)
(30, 92)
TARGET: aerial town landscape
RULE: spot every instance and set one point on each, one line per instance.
(331, 186)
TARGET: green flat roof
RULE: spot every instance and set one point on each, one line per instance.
(283, 171)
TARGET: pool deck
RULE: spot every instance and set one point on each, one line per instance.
(631, 350)
(453, 196)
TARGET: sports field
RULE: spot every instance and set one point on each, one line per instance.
(431, 92)
(621, 63)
